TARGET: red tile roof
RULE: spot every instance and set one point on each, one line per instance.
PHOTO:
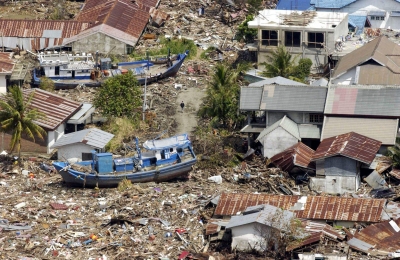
(315, 207)
(296, 155)
(352, 145)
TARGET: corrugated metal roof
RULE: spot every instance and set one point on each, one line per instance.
(392, 211)
(300, 5)
(373, 74)
(315, 207)
(363, 100)
(276, 81)
(379, 239)
(331, 4)
(293, 98)
(298, 155)
(377, 13)
(352, 145)
(380, 50)
(250, 98)
(56, 108)
(358, 21)
(310, 131)
(93, 137)
(130, 17)
(286, 123)
(383, 130)
(6, 62)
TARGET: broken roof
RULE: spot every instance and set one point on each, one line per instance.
(6, 62)
(124, 20)
(311, 207)
(351, 145)
(276, 81)
(378, 239)
(298, 155)
(363, 100)
(383, 130)
(93, 137)
(56, 109)
(379, 52)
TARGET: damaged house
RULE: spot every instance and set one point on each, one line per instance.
(286, 115)
(310, 34)
(338, 162)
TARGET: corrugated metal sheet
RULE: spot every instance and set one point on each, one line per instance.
(395, 173)
(127, 16)
(315, 207)
(299, 5)
(93, 137)
(298, 155)
(276, 81)
(158, 16)
(310, 131)
(379, 49)
(286, 123)
(383, 238)
(352, 145)
(56, 109)
(358, 21)
(392, 211)
(330, 4)
(6, 62)
(250, 98)
(363, 100)
(383, 130)
(293, 98)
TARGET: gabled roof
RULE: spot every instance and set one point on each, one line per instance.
(380, 51)
(383, 130)
(307, 207)
(285, 123)
(358, 21)
(331, 4)
(276, 81)
(352, 145)
(361, 100)
(265, 216)
(298, 155)
(117, 18)
(56, 108)
(93, 137)
(283, 98)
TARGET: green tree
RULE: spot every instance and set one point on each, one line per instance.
(222, 100)
(244, 32)
(18, 119)
(119, 96)
(302, 70)
(394, 154)
(46, 84)
(280, 63)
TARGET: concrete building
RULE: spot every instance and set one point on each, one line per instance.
(375, 63)
(259, 227)
(310, 34)
(338, 162)
(77, 146)
(379, 14)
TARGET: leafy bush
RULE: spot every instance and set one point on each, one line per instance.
(244, 32)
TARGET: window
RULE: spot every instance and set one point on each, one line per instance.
(292, 39)
(316, 118)
(129, 49)
(382, 18)
(372, 17)
(315, 40)
(269, 38)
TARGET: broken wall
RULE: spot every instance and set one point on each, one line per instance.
(335, 184)
(277, 141)
(99, 42)
(246, 237)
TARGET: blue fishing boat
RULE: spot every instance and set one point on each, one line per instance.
(70, 70)
(163, 160)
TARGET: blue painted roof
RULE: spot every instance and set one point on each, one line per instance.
(299, 5)
(358, 21)
(334, 4)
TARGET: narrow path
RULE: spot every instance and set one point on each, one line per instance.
(193, 98)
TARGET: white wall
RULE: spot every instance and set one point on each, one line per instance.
(347, 78)
(247, 236)
(53, 136)
(277, 141)
(335, 184)
(3, 84)
(73, 151)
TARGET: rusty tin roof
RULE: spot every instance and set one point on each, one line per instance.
(312, 207)
(57, 109)
(352, 145)
(6, 62)
(297, 155)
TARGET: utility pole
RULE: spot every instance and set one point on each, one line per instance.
(144, 98)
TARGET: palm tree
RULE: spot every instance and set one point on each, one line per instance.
(280, 63)
(18, 119)
(221, 102)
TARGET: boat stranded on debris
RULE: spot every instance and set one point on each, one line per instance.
(68, 70)
(165, 159)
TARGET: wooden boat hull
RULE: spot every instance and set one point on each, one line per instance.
(76, 178)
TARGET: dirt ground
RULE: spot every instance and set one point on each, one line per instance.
(193, 98)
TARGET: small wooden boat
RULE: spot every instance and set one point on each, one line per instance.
(165, 159)
(69, 71)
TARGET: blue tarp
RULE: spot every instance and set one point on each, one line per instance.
(299, 5)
